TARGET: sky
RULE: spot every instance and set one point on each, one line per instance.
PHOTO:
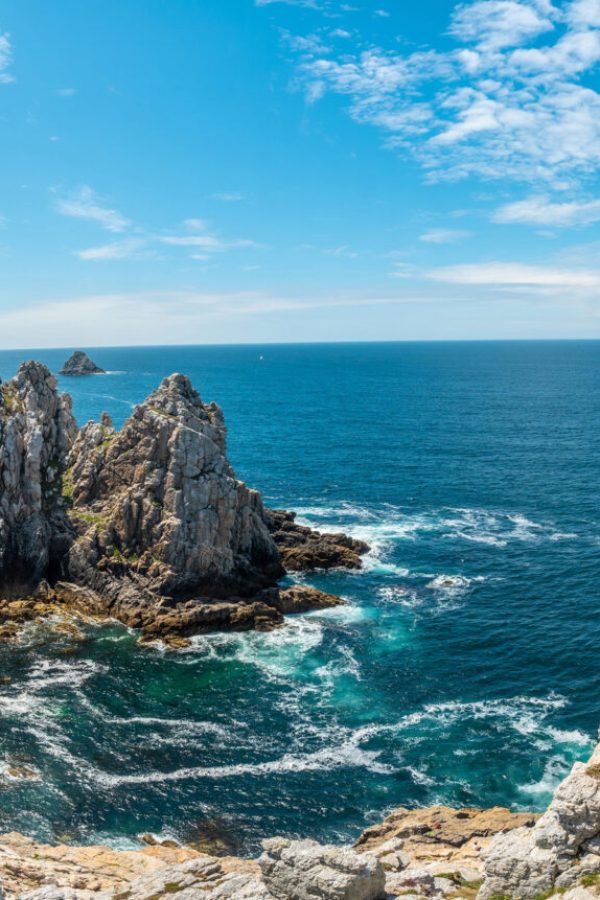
(253, 171)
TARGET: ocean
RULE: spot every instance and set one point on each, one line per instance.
(462, 669)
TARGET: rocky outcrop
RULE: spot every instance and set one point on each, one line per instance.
(148, 524)
(79, 363)
(382, 864)
(306, 870)
(303, 548)
(560, 852)
(37, 429)
(159, 510)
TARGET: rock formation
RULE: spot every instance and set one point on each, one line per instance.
(427, 862)
(147, 524)
(561, 852)
(79, 363)
(303, 549)
(37, 430)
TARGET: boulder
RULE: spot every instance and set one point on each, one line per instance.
(305, 870)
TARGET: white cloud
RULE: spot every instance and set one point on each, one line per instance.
(540, 210)
(311, 4)
(443, 235)
(229, 196)
(517, 275)
(85, 204)
(495, 24)
(67, 92)
(199, 238)
(165, 317)
(5, 59)
(513, 100)
(127, 249)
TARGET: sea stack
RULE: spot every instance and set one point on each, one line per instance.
(147, 524)
(79, 363)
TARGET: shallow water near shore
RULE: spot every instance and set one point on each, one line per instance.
(463, 667)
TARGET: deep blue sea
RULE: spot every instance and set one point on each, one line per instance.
(464, 667)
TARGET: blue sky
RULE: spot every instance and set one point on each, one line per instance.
(207, 171)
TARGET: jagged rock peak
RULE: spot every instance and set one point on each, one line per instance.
(37, 429)
(158, 502)
(79, 363)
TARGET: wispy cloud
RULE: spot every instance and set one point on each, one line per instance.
(85, 204)
(5, 59)
(229, 196)
(542, 211)
(198, 237)
(67, 92)
(310, 4)
(130, 248)
(516, 274)
(444, 235)
(510, 101)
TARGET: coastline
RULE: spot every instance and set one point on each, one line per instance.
(435, 853)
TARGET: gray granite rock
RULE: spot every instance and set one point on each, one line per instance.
(305, 870)
(159, 509)
(527, 862)
(37, 430)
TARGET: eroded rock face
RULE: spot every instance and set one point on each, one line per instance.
(79, 363)
(305, 870)
(37, 430)
(158, 507)
(563, 847)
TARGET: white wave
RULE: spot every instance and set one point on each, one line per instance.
(382, 527)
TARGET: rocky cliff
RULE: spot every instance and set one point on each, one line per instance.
(37, 430)
(428, 854)
(147, 524)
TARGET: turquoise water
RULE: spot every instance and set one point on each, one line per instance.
(463, 668)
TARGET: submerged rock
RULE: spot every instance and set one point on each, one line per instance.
(79, 363)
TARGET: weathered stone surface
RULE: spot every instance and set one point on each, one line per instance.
(452, 838)
(305, 870)
(37, 429)
(159, 509)
(301, 598)
(148, 524)
(79, 363)
(528, 862)
(302, 548)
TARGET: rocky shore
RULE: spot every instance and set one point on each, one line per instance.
(428, 854)
(147, 524)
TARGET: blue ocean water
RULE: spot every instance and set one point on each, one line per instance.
(463, 668)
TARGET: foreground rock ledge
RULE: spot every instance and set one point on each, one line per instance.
(148, 525)
(425, 854)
